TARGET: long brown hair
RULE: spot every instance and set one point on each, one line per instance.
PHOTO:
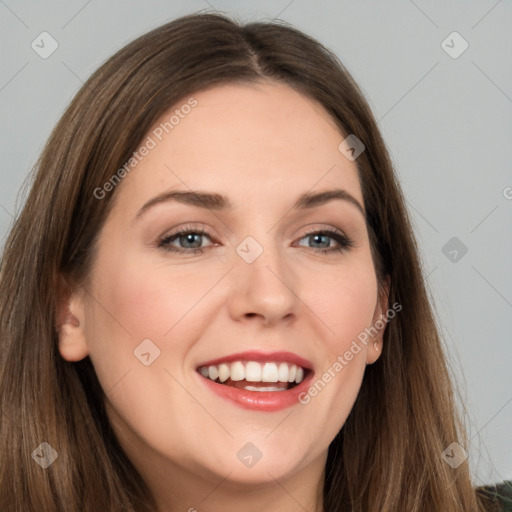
(387, 456)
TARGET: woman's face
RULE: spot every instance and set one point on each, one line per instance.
(255, 294)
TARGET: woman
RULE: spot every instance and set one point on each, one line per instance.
(252, 369)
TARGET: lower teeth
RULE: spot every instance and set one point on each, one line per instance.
(266, 388)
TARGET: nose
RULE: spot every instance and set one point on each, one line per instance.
(266, 289)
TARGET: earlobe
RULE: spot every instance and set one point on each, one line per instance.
(70, 324)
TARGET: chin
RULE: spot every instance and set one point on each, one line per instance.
(248, 465)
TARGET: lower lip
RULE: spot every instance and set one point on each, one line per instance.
(267, 401)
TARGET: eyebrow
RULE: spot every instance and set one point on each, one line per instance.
(214, 201)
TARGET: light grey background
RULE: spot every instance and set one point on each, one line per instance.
(447, 122)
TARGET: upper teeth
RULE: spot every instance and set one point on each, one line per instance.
(254, 371)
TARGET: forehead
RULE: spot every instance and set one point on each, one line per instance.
(264, 141)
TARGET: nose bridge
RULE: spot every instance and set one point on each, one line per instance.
(263, 280)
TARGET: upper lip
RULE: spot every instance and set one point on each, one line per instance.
(262, 357)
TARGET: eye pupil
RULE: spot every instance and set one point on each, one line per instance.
(317, 236)
(189, 237)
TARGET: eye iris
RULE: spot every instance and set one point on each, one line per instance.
(189, 238)
(317, 236)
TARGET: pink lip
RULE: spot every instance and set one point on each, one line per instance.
(266, 401)
(262, 357)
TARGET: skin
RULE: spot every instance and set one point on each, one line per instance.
(262, 146)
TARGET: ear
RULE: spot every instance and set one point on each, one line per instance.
(70, 322)
(379, 323)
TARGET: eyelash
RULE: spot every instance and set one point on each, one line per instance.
(344, 242)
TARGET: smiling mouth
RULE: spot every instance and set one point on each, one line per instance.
(255, 376)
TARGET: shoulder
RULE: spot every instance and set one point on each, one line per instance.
(499, 494)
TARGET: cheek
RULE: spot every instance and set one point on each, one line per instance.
(133, 302)
(346, 303)
(149, 300)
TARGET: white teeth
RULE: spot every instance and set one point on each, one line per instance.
(237, 371)
(269, 373)
(266, 388)
(223, 372)
(283, 372)
(213, 373)
(253, 371)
